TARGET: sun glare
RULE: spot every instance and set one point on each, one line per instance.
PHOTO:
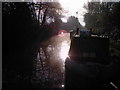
(73, 6)
(64, 50)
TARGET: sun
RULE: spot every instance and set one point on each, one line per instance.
(73, 6)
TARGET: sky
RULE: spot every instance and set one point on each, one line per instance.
(73, 6)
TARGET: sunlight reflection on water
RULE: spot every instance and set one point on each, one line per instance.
(50, 61)
(64, 50)
(57, 50)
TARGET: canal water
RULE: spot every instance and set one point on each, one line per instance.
(49, 63)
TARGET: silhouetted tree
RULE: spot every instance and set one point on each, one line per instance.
(103, 17)
(71, 24)
(22, 35)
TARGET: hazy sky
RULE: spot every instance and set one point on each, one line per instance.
(73, 6)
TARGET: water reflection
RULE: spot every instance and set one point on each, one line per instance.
(49, 66)
(64, 50)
